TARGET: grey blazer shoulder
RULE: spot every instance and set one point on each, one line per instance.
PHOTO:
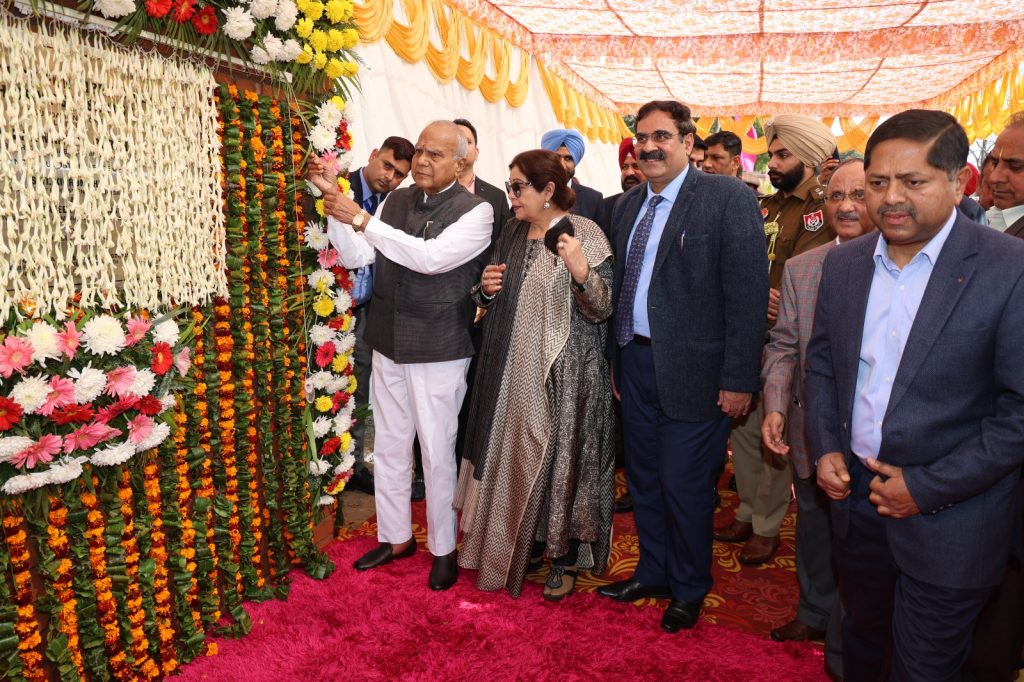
(708, 296)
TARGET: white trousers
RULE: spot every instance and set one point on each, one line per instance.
(416, 399)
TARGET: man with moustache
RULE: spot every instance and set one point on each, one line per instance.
(629, 177)
(385, 170)
(426, 243)
(784, 400)
(794, 222)
(568, 145)
(915, 406)
(724, 155)
(690, 295)
(1004, 176)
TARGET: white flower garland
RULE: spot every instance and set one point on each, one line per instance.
(97, 197)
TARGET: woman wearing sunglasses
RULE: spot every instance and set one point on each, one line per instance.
(538, 479)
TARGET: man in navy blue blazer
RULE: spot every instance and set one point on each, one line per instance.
(915, 406)
(691, 296)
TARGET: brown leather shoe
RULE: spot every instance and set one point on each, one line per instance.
(758, 550)
(737, 531)
(796, 631)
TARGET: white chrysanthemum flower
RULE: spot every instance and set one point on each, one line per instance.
(285, 16)
(66, 470)
(318, 276)
(43, 338)
(318, 467)
(156, 436)
(89, 384)
(346, 463)
(261, 9)
(114, 9)
(336, 383)
(167, 401)
(30, 393)
(143, 383)
(342, 423)
(328, 115)
(342, 301)
(12, 445)
(325, 501)
(322, 138)
(346, 342)
(167, 331)
(321, 379)
(274, 47)
(315, 237)
(238, 23)
(16, 485)
(103, 335)
(321, 425)
(259, 56)
(320, 334)
(290, 50)
(114, 454)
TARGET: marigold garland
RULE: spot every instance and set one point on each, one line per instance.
(27, 626)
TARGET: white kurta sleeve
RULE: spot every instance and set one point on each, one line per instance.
(352, 247)
(459, 243)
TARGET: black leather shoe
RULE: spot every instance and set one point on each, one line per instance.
(419, 489)
(383, 554)
(624, 505)
(680, 615)
(631, 590)
(362, 480)
(444, 571)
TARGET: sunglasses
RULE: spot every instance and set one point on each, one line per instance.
(516, 188)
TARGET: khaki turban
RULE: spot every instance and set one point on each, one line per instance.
(808, 138)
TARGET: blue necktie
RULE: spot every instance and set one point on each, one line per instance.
(370, 204)
(631, 278)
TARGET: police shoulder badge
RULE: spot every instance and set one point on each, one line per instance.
(814, 221)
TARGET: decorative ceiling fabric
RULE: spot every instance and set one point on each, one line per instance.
(766, 57)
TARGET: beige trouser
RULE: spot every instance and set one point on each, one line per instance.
(764, 491)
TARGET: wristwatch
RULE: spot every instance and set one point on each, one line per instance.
(359, 218)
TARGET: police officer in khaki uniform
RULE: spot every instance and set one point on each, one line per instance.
(794, 222)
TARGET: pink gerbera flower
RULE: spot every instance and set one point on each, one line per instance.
(330, 159)
(119, 381)
(89, 436)
(327, 258)
(15, 355)
(183, 360)
(41, 451)
(62, 392)
(137, 328)
(69, 340)
(139, 428)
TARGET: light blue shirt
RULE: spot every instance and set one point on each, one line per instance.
(892, 306)
(362, 286)
(641, 322)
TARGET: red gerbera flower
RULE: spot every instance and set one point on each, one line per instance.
(10, 413)
(339, 399)
(158, 9)
(163, 358)
(324, 354)
(105, 415)
(183, 10)
(205, 21)
(72, 413)
(330, 447)
(150, 406)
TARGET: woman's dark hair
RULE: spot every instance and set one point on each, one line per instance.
(541, 167)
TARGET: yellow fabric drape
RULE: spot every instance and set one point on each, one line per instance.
(455, 30)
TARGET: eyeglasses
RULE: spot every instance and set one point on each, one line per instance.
(837, 197)
(659, 137)
(516, 188)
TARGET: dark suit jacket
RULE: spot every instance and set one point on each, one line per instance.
(955, 420)
(588, 202)
(708, 296)
(498, 201)
(607, 208)
(1016, 230)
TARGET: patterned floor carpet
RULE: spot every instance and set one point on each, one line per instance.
(750, 599)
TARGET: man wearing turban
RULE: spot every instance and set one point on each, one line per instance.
(568, 145)
(794, 223)
(630, 176)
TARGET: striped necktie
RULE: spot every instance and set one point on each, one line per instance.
(631, 278)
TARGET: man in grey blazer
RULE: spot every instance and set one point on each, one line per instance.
(783, 429)
(915, 397)
(1004, 174)
(691, 293)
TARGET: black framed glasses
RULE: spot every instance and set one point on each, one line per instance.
(659, 137)
(515, 188)
(857, 196)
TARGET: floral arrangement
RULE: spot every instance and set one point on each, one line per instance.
(91, 391)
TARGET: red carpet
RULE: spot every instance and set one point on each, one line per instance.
(387, 625)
